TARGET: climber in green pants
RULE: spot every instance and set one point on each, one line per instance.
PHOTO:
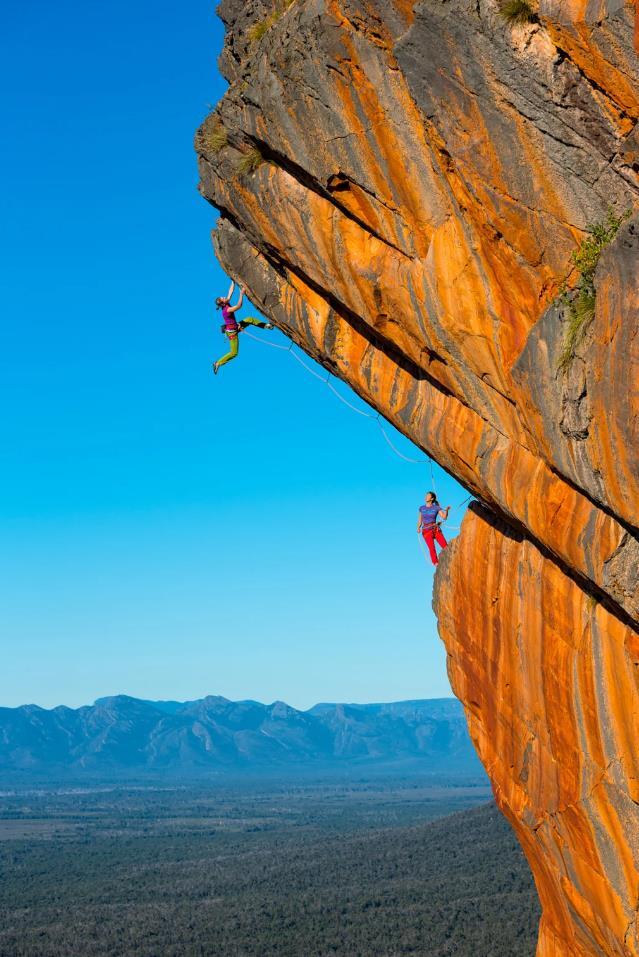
(232, 327)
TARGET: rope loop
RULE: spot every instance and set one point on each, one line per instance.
(367, 415)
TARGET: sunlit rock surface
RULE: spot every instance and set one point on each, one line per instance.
(422, 173)
(549, 679)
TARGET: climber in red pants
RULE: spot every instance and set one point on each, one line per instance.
(428, 525)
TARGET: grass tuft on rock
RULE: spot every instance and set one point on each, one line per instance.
(516, 12)
(215, 138)
(585, 259)
(251, 161)
(581, 312)
(258, 30)
(211, 137)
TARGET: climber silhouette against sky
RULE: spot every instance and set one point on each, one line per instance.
(428, 525)
(231, 327)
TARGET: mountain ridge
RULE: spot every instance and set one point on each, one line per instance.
(122, 733)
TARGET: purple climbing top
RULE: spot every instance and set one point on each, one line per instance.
(229, 318)
(429, 514)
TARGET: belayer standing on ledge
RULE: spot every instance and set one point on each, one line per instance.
(428, 525)
(231, 327)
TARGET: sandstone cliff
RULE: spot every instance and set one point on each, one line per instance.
(401, 187)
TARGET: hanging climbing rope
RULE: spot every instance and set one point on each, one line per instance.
(367, 415)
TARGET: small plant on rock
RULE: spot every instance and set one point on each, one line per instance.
(215, 138)
(516, 12)
(251, 161)
(585, 259)
(211, 137)
(581, 312)
(260, 29)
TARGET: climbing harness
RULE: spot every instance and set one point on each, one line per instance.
(367, 415)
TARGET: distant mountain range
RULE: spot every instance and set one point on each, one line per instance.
(126, 735)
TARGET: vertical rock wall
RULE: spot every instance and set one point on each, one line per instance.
(550, 680)
(401, 186)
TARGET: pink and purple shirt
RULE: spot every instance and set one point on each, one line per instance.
(229, 318)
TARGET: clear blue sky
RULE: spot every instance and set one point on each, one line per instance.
(165, 533)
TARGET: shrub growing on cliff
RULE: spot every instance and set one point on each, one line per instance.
(215, 138)
(258, 30)
(251, 161)
(581, 307)
(516, 12)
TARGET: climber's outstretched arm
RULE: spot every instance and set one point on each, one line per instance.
(239, 302)
(231, 290)
(444, 512)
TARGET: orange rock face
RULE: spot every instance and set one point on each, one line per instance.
(419, 176)
(550, 679)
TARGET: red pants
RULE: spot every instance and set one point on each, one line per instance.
(432, 535)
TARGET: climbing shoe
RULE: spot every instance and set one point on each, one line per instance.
(269, 325)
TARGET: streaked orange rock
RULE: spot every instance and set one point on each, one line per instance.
(550, 681)
(427, 172)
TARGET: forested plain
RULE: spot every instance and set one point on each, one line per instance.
(295, 870)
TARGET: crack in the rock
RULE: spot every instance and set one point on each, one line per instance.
(605, 94)
(586, 584)
(308, 181)
(632, 530)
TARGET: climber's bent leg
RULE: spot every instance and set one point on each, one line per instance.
(252, 321)
(430, 542)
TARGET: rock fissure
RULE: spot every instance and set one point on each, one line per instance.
(575, 137)
(384, 346)
(606, 94)
(305, 179)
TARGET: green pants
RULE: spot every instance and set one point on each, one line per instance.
(233, 338)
